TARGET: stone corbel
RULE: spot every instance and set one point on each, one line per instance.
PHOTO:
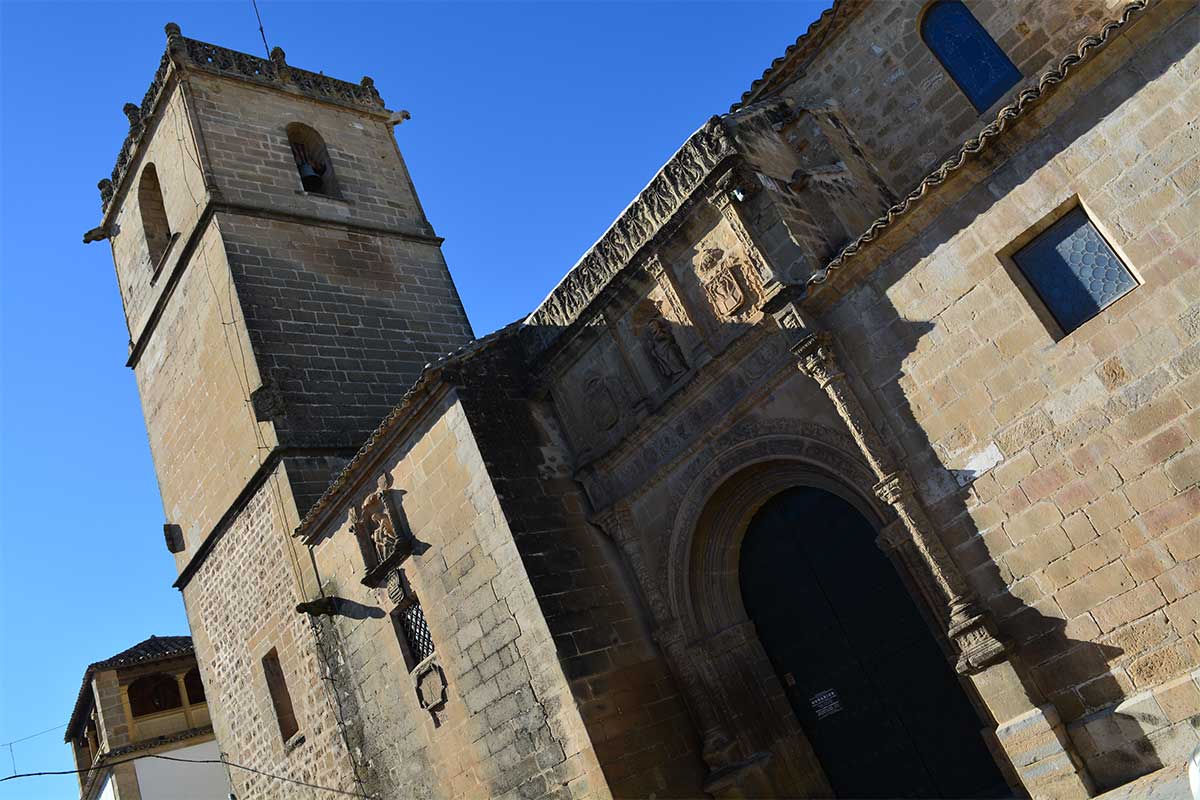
(967, 626)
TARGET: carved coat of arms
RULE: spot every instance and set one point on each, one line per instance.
(723, 282)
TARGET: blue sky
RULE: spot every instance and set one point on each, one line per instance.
(533, 126)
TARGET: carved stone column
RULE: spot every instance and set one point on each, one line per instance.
(967, 626)
(687, 661)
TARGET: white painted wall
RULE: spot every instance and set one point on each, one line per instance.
(108, 792)
(172, 780)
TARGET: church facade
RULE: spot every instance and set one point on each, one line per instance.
(858, 457)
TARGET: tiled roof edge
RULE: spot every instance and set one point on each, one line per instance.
(430, 376)
(1027, 98)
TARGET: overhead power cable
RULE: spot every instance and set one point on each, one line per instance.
(108, 764)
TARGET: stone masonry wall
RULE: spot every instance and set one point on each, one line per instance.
(244, 132)
(194, 378)
(1077, 522)
(171, 148)
(509, 727)
(899, 100)
(241, 605)
(341, 321)
(635, 717)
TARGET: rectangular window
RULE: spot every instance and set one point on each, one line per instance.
(280, 698)
(413, 632)
(1073, 270)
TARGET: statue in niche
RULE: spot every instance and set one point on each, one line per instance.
(601, 405)
(664, 351)
(383, 534)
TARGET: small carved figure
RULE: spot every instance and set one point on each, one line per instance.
(664, 350)
(383, 534)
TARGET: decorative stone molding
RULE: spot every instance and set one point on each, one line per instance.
(942, 582)
(667, 193)
(190, 54)
(431, 686)
(731, 189)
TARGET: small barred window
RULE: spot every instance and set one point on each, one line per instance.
(414, 634)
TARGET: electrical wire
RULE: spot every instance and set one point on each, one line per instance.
(227, 763)
(261, 32)
(33, 735)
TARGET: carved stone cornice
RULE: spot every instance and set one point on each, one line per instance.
(190, 54)
(667, 193)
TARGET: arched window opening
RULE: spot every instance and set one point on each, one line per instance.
(976, 63)
(312, 160)
(154, 215)
(194, 686)
(152, 694)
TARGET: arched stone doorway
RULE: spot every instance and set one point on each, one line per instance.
(879, 704)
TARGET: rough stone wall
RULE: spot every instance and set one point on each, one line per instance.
(896, 97)
(341, 321)
(241, 605)
(509, 727)
(1078, 523)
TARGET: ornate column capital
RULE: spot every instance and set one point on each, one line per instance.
(895, 487)
(817, 359)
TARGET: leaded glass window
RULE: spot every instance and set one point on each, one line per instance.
(973, 59)
(1074, 270)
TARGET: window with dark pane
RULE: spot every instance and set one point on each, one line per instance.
(976, 63)
(410, 625)
(151, 694)
(1074, 270)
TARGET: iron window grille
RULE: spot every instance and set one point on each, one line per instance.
(416, 633)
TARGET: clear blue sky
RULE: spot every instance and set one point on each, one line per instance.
(533, 126)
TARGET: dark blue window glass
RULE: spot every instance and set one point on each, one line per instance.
(1073, 270)
(969, 54)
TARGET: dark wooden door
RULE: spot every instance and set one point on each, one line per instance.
(877, 699)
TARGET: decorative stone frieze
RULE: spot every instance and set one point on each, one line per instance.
(667, 193)
(954, 604)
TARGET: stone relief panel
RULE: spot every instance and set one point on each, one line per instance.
(595, 397)
(717, 278)
(646, 460)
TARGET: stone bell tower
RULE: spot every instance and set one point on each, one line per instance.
(282, 289)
